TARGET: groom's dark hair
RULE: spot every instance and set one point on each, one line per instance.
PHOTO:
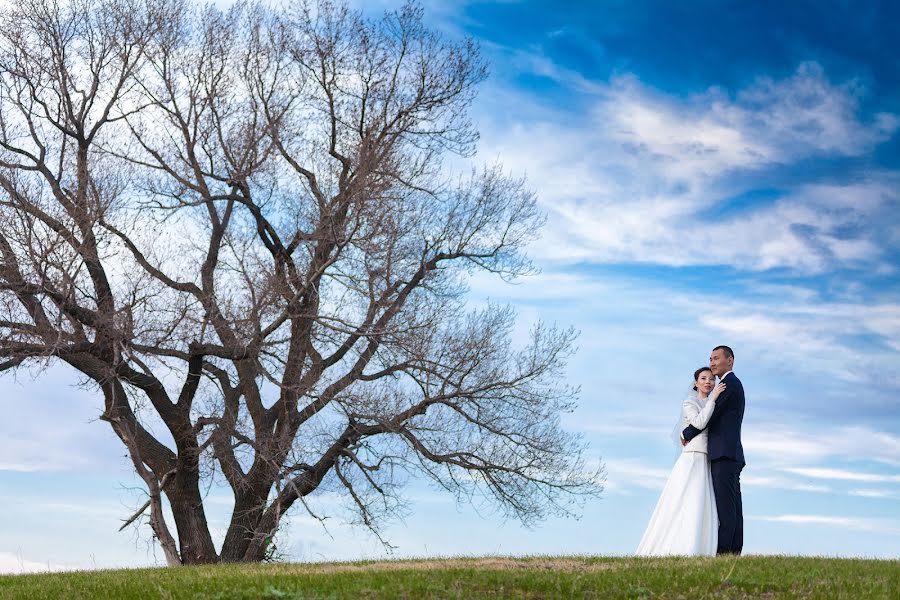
(729, 353)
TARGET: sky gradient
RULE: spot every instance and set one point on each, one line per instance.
(712, 173)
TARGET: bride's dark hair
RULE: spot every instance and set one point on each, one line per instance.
(697, 374)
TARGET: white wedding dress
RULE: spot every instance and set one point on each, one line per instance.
(685, 520)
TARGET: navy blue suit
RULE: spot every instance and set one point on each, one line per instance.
(726, 456)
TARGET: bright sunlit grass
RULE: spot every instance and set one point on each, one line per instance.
(494, 577)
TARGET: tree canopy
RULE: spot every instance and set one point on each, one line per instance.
(242, 225)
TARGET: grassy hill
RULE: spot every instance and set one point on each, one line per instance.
(537, 577)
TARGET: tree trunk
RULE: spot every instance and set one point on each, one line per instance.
(244, 519)
(194, 540)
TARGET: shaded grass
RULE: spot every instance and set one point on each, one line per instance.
(497, 577)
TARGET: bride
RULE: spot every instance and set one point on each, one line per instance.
(685, 521)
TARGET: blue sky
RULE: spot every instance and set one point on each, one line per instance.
(712, 172)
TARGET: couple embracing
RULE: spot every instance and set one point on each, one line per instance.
(699, 511)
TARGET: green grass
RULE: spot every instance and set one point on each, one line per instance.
(496, 577)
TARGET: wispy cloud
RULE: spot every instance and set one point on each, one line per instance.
(51, 425)
(854, 523)
(778, 444)
(82, 509)
(772, 444)
(626, 475)
(796, 333)
(769, 121)
(782, 484)
(841, 474)
(11, 563)
(874, 494)
(637, 181)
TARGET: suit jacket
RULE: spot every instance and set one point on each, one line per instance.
(724, 427)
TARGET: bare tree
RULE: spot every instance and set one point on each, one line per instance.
(242, 226)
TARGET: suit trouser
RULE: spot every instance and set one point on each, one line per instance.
(726, 478)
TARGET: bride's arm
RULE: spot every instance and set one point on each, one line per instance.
(696, 416)
(698, 419)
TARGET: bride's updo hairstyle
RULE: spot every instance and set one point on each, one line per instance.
(697, 374)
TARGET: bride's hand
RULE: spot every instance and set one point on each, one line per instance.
(716, 391)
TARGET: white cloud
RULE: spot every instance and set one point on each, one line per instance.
(790, 329)
(630, 180)
(11, 563)
(617, 428)
(874, 494)
(81, 509)
(778, 444)
(624, 475)
(813, 336)
(770, 457)
(802, 115)
(854, 523)
(782, 484)
(50, 424)
(684, 141)
(841, 474)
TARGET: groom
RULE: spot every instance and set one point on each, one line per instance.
(726, 455)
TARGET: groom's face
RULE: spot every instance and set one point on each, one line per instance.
(718, 363)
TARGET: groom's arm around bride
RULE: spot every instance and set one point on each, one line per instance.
(724, 424)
